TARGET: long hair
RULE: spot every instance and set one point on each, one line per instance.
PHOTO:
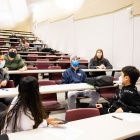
(28, 100)
(96, 58)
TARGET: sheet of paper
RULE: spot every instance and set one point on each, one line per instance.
(131, 117)
(66, 132)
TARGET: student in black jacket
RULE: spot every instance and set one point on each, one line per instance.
(126, 99)
(99, 62)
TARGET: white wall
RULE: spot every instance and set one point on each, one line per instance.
(122, 38)
(117, 34)
(136, 52)
(92, 34)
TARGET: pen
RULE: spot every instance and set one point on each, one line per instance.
(117, 118)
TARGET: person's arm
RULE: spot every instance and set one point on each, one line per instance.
(65, 78)
(5, 79)
(23, 68)
(84, 77)
(107, 64)
(91, 64)
(22, 65)
(134, 102)
(115, 97)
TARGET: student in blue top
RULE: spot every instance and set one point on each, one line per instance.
(75, 75)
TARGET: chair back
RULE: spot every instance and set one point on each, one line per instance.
(49, 101)
(81, 113)
(31, 74)
(44, 65)
(55, 76)
(51, 96)
(108, 93)
(31, 57)
(64, 65)
(10, 84)
(51, 58)
(83, 62)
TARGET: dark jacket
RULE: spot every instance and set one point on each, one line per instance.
(127, 98)
(73, 76)
(93, 64)
(3, 75)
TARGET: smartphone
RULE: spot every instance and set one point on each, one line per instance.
(61, 121)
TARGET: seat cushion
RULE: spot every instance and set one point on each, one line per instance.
(50, 105)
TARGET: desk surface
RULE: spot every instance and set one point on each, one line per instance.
(47, 56)
(103, 127)
(11, 92)
(44, 62)
(59, 70)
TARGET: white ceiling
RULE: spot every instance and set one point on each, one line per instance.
(13, 12)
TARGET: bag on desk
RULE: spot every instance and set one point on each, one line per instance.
(104, 80)
(100, 81)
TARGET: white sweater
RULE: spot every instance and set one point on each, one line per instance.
(23, 121)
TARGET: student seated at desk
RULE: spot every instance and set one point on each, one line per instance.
(37, 43)
(14, 62)
(4, 76)
(99, 62)
(22, 46)
(26, 111)
(76, 75)
(126, 99)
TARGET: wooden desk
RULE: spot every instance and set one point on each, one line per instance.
(103, 127)
(11, 92)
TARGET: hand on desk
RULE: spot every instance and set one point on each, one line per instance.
(3, 83)
(20, 70)
(119, 110)
(6, 69)
(53, 122)
(99, 106)
(101, 67)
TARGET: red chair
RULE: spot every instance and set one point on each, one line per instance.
(51, 57)
(64, 65)
(83, 62)
(44, 65)
(55, 76)
(10, 84)
(31, 57)
(2, 41)
(49, 101)
(108, 93)
(31, 74)
(81, 113)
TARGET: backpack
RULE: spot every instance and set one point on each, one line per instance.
(100, 81)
